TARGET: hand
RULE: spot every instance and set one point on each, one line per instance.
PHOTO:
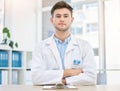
(72, 72)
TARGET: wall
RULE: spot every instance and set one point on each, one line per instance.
(20, 18)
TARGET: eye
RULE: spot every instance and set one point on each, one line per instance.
(66, 16)
(58, 16)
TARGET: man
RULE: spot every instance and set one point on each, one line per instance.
(62, 58)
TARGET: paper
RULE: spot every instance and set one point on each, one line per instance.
(54, 87)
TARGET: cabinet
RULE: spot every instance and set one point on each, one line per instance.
(21, 21)
(15, 66)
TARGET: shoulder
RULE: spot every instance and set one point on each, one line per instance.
(85, 47)
(44, 42)
(83, 44)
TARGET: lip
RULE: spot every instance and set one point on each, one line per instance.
(61, 24)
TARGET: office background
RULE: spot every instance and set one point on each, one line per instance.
(96, 21)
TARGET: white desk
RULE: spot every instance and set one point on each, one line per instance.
(80, 88)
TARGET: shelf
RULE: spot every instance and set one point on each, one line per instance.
(15, 66)
(4, 68)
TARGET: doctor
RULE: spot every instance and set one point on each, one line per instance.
(62, 58)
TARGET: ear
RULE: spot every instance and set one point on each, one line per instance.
(51, 19)
(72, 19)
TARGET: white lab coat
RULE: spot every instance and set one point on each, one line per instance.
(47, 66)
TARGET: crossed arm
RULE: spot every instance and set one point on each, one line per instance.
(70, 72)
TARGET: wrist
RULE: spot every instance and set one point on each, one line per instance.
(64, 81)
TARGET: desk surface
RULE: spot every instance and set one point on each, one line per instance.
(80, 88)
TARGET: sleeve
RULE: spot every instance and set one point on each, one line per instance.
(41, 75)
(89, 75)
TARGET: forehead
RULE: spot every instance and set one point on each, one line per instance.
(62, 11)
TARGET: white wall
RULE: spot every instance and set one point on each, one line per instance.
(20, 18)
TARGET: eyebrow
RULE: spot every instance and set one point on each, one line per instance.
(60, 14)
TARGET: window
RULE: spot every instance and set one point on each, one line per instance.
(1, 18)
(112, 35)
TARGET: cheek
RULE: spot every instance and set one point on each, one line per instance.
(54, 20)
(69, 22)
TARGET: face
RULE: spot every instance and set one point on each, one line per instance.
(62, 19)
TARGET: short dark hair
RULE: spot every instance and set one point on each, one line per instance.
(60, 5)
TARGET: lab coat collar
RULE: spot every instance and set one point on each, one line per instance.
(73, 43)
(52, 46)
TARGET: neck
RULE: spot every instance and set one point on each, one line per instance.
(62, 36)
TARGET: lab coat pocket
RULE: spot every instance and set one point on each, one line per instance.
(53, 66)
(76, 64)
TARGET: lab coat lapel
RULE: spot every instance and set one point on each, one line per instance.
(71, 45)
(53, 48)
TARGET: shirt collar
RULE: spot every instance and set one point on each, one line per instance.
(59, 41)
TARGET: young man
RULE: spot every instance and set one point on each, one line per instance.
(62, 58)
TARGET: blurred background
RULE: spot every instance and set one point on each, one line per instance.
(97, 21)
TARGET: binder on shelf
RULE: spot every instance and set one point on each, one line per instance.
(28, 59)
(3, 58)
(0, 77)
(14, 77)
(16, 59)
(28, 78)
(3, 77)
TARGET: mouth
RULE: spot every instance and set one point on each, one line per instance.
(61, 24)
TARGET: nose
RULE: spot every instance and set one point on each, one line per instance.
(61, 18)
